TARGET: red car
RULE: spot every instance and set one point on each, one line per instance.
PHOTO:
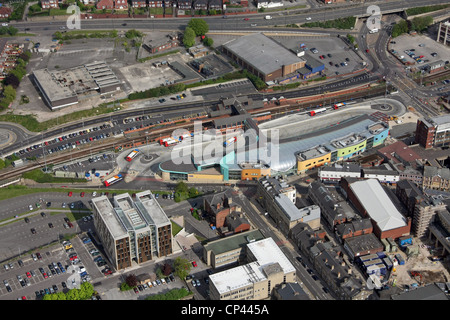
(107, 272)
(73, 258)
(246, 19)
(194, 263)
(45, 275)
(82, 194)
(28, 274)
(367, 50)
(70, 193)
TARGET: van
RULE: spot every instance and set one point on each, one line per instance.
(373, 31)
(268, 17)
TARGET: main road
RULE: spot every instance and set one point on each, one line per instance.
(232, 22)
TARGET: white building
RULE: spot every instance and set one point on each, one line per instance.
(267, 267)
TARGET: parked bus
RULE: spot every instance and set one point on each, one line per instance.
(314, 112)
(230, 141)
(132, 155)
(170, 142)
(113, 180)
(338, 105)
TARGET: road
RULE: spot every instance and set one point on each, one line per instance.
(231, 23)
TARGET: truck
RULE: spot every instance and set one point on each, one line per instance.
(314, 112)
(268, 17)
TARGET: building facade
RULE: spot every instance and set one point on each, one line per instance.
(266, 268)
(132, 231)
(443, 35)
(433, 132)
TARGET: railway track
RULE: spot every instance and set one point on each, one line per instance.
(139, 137)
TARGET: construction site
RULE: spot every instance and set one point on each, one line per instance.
(417, 264)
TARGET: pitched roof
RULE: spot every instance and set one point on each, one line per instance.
(378, 205)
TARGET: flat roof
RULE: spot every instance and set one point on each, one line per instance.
(234, 242)
(108, 215)
(269, 257)
(67, 83)
(378, 204)
(263, 53)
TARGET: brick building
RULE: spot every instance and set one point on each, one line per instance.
(218, 206)
(433, 132)
(372, 201)
(263, 56)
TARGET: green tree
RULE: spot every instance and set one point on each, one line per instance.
(181, 187)
(199, 26)
(86, 290)
(9, 93)
(421, 23)
(208, 42)
(189, 37)
(182, 267)
(400, 28)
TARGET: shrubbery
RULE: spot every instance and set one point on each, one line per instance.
(340, 23)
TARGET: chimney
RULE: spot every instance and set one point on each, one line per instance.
(339, 275)
(332, 267)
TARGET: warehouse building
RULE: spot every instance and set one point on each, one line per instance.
(263, 56)
(371, 200)
(62, 88)
(132, 231)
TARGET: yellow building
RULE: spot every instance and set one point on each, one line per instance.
(313, 158)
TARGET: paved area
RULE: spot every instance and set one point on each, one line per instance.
(288, 126)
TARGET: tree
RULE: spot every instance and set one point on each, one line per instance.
(9, 93)
(167, 269)
(208, 42)
(400, 28)
(181, 187)
(11, 79)
(182, 267)
(131, 280)
(421, 23)
(189, 37)
(199, 26)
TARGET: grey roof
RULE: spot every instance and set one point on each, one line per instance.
(263, 53)
(428, 292)
(444, 173)
(378, 205)
(293, 213)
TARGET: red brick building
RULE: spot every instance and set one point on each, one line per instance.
(372, 201)
(121, 4)
(105, 4)
(218, 207)
(5, 12)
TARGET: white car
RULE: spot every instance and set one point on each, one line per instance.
(308, 18)
(31, 207)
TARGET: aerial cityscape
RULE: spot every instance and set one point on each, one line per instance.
(225, 150)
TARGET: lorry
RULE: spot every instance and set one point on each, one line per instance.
(268, 17)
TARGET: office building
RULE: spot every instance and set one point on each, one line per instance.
(266, 267)
(132, 230)
(433, 132)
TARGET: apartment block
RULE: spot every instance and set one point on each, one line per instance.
(132, 231)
